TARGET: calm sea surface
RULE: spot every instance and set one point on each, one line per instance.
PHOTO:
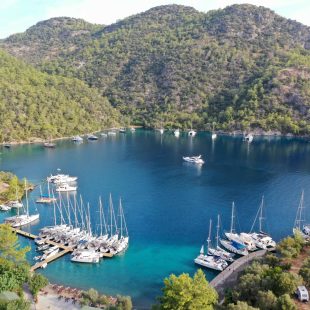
(167, 202)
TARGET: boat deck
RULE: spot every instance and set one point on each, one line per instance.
(65, 249)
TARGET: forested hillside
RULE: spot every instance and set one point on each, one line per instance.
(240, 68)
(37, 105)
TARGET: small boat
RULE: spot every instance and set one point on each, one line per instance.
(77, 139)
(66, 188)
(213, 136)
(44, 265)
(177, 133)
(5, 208)
(194, 159)
(104, 135)
(42, 247)
(132, 129)
(15, 204)
(50, 145)
(7, 145)
(192, 133)
(92, 137)
(161, 130)
(46, 199)
(39, 241)
(50, 254)
(122, 130)
(249, 138)
(111, 133)
(37, 257)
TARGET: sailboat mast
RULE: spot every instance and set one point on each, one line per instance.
(217, 230)
(111, 216)
(48, 189)
(100, 215)
(54, 205)
(74, 210)
(232, 218)
(261, 214)
(121, 216)
(68, 206)
(89, 227)
(26, 192)
(209, 237)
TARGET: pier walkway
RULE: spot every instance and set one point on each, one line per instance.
(228, 276)
(65, 249)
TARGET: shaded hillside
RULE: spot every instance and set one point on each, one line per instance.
(35, 104)
(243, 67)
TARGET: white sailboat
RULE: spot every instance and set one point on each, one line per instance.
(218, 251)
(24, 219)
(46, 199)
(123, 241)
(261, 239)
(234, 244)
(233, 236)
(210, 261)
(299, 227)
(192, 133)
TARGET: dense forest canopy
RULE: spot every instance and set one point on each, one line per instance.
(34, 104)
(239, 68)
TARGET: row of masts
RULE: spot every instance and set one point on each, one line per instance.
(218, 257)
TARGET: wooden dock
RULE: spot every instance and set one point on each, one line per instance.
(48, 260)
(65, 249)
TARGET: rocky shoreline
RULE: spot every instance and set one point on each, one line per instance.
(256, 132)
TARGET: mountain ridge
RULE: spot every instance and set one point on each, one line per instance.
(176, 65)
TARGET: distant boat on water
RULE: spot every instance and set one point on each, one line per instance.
(92, 137)
(122, 130)
(194, 159)
(177, 133)
(49, 145)
(77, 139)
(248, 138)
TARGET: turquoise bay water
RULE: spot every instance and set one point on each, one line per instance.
(167, 202)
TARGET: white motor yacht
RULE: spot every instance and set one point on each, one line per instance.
(66, 188)
(177, 133)
(194, 159)
(86, 257)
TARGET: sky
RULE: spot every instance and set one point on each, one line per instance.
(18, 15)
